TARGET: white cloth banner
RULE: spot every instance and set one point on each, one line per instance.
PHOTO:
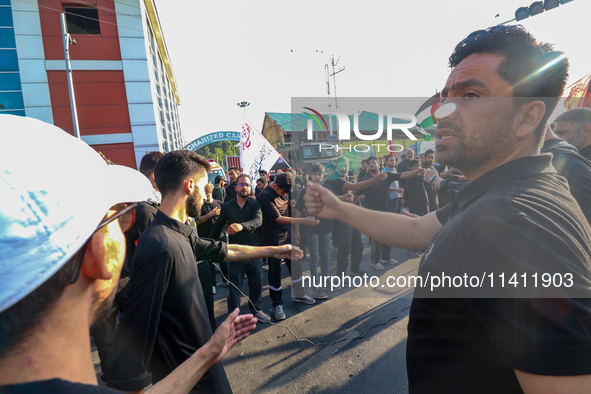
(256, 153)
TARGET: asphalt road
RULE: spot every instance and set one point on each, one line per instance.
(360, 336)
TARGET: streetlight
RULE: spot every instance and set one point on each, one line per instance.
(537, 7)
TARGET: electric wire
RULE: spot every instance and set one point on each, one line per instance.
(306, 339)
(102, 8)
(81, 16)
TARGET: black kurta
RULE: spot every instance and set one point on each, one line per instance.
(165, 319)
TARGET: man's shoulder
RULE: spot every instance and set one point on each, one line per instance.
(146, 208)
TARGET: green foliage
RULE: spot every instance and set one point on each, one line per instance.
(219, 150)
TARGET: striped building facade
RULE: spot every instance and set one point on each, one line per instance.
(126, 96)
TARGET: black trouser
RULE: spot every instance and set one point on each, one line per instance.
(347, 240)
(205, 278)
(103, 334)
(275, 290)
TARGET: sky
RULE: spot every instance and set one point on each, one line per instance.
(266, 52)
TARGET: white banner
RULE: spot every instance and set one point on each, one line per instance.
(256, 153)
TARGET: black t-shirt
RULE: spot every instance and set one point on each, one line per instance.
(250, 216)
(337, 186)
(415, 195)
(586, 152)
(273, 207)
(517, 218)
(165, 319)
(230, 192)
(377, 194)
(144, 214)
(577, 171)
(204, 229)
(325, 225)
(403, 167)
(54, 386)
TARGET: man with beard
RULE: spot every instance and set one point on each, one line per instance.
(165, 318)
(60, 258)
(515, 216)
(244, 218)
(575, 127)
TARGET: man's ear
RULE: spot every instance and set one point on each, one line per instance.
(529, 117)
(94, 264)
(586, 130)
(189, 186)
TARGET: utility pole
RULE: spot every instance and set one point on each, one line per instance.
(333, 75)
(67, 41)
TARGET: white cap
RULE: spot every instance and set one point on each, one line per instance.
(55, 190)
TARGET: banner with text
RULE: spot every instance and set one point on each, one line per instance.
(256, 153)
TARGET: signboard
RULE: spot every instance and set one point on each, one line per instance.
(233, 161)
(207, 139)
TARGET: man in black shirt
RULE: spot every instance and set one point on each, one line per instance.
(377, 197)
(363, 171)
(165, 319)
(344, 237)
(103, 333)
(429, 188)
(415, 195)
(403, 166)
(277, 231)
(516, 216)
(575, 168)
(575, 127)
(210, 211)
(244, 217)
(231, 188)
(61, 260)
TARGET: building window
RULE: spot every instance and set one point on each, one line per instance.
(82, 20)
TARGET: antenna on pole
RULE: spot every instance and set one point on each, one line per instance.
(333, 75)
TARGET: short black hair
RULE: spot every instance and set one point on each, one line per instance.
(284, 182)
(318, 167)
(363, 161)
(331, 165)
(233, 168)
(149, 161)
(244, 176)
(263, 180)
(371, 158)
(413, 162)
(428, 152)
(579, 117)
(175, 167)
(535, 70)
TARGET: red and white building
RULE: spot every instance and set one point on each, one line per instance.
(127, 99)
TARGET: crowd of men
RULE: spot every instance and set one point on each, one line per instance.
(86, 244)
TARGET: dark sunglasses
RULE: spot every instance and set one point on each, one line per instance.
(126, 217)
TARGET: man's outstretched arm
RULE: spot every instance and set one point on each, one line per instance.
(234, 329)
(389, 228)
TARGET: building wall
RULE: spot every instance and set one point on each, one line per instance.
(11, 96)
(125, 98)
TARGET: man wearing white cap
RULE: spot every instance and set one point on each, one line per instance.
(61, 252)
